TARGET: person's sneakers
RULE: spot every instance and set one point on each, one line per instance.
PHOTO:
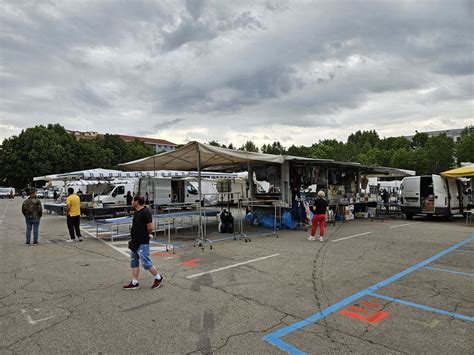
(157, 283)
(27, 244)
(70, 240)
(131, 286)
(35, 244)
(80, 239)
(321, 239)
(311, 238)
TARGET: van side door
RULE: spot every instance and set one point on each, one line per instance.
(440, 191)
(411, 192)
(454, 195)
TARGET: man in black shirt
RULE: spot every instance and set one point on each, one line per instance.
(142, 227)
(129, 198)
(319, 216)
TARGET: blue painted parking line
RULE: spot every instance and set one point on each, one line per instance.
(450, 271)
(423, 307)
(274, 338)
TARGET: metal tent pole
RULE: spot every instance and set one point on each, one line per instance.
(200, 234)
(154, 199)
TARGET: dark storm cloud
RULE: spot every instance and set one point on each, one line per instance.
(271, 68)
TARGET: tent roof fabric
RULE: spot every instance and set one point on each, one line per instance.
(465, 171)
(106, 174)
(185, 158)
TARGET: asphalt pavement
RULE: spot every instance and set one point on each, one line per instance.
(392, 286)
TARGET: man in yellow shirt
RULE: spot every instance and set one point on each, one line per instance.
(73, 208)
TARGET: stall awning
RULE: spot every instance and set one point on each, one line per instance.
(465, 171)
(186, 158)
(107, 174)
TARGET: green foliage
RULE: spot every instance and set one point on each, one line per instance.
(49, 150)
(361, 138)
(249, 146)
(440, 154)
(419, 140)
(300, 151)
(37, 151)
(214, 143)
(274, 148)
(465, 145)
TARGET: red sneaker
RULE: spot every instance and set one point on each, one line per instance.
(157, 283)
(131, 286)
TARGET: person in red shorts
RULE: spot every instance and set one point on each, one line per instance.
(320, 207)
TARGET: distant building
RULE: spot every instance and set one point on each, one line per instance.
(159, 145)
(452, 133)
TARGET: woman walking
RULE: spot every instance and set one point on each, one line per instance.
(319, 216)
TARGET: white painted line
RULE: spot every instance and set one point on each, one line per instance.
(230, 266)
(3, 215)
(109, 244)
(403, 225)
(352, 236)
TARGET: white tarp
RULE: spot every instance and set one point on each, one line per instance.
(106, 174)
(186, 158)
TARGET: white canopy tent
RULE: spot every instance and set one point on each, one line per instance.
(106, 174)
(195, 155)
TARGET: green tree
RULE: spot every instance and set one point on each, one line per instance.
(94, 156)
(419, 140)
(404, 158)
(465, 146)
(361, 138)
(274, 148)
(137, 149)
(301, 151)
(38, 151)
(439, 152)
(249, 146)
(394, 143)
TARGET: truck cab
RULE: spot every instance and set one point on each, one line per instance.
(115, 194)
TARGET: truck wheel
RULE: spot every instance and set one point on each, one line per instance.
(409, 216)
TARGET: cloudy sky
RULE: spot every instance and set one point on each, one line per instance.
(293, 71)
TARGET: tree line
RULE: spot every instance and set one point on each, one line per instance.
(49, 150)
(44, 150)
(424, 154)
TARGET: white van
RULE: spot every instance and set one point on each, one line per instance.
(115, 194)
(432, 195)
(164, 191)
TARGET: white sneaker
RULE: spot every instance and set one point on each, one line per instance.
(321, 239)
(80, 239)
(70, 240)
(311, 238)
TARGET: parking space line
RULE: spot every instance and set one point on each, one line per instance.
(3, 215)
(423, 307)
(230, 266)
(352, 236)
(274, 338)
(465, 251)
(403, 225)
(450, 271)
